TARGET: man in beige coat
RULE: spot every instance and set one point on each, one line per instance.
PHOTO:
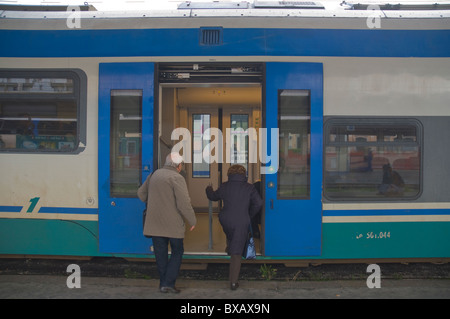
(168, 204)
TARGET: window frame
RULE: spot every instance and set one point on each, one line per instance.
(79, 94)
(372, 121)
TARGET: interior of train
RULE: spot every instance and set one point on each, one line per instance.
(221, 108)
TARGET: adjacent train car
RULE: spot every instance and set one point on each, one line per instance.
(341, 112)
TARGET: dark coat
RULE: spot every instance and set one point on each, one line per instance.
(241, 201)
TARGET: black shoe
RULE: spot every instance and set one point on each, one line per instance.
(169, 290)
(234, 285)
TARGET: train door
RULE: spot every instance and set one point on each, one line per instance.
(293, 207)
(125, 153)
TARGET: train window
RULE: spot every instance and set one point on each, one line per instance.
(200, 123)
(372, 159)
(40, 111)
(125, 139)
(239, 144)
(294, 121)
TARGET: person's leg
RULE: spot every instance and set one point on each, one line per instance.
(173, 267)
(235, 269)
(160, 247)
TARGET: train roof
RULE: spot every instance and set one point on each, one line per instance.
(161, 5)
(321, 14)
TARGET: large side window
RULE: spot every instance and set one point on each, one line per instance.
(42, 111)
(372, 159)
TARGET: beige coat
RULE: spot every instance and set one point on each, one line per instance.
(168, 204)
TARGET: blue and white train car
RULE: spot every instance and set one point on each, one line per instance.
(341, 110)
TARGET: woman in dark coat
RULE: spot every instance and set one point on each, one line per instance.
(241, 202)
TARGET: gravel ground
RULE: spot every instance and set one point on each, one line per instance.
(121, 268)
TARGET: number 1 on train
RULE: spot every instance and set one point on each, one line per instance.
(33, 202)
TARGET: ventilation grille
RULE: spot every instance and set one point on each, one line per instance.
(211, 36)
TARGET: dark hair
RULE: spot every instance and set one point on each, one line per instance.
(236, 169)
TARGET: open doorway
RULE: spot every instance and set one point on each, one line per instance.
(233, 108)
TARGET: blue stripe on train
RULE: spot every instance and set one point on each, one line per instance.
(236, 42)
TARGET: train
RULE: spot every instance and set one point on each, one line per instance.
(340, 110)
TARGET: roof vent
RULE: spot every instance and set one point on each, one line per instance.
(211, 35)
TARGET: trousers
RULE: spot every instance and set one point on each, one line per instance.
(168, 268)
(235, 268)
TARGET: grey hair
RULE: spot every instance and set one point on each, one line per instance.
(173, 159)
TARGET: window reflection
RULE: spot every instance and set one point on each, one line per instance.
(38, 114)
(125, 153)
(372, 160)
(25, 85)
(294, 118)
